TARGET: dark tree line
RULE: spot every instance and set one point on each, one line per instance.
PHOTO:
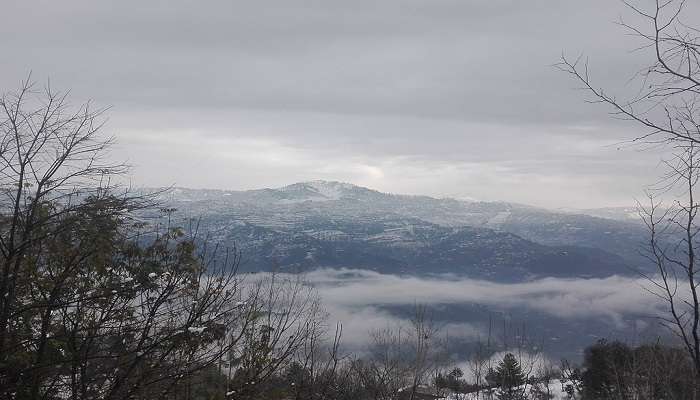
(614, 370)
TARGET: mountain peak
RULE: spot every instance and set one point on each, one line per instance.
(323, 184)
(321, 190)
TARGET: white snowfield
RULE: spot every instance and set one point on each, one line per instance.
(555, 390)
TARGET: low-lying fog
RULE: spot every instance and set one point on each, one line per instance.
(561, 316)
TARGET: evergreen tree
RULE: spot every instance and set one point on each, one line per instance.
(509, 377)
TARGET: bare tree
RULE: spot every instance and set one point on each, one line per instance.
(51, 159)
(479, 364)
(424, 343)
(666, 108)
(98, 302)
(672, 248)
(666, 104)
(401, 358)
(386, 371)
(544, 376)
(285, 316)
(48, 153)
(318, 363)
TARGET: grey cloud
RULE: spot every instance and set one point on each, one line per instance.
(474, 60)
(400, 155)
(417, 96)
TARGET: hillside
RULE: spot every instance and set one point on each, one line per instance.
(332, 224)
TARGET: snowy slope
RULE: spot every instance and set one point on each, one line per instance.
(332, 224)
(297, 205)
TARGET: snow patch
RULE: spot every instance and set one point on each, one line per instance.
(330, 190)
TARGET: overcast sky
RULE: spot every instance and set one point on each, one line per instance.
(440, 97)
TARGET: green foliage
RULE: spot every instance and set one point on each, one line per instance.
(614, 370)
(101, 311)
(509, 377)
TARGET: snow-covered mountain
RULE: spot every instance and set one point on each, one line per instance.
(333, 224)
(321, 224)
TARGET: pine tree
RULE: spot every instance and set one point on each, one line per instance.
(510, 375)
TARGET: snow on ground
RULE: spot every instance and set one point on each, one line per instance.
(555, 389)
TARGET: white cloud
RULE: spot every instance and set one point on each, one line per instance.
(361, 299)
(563, 298)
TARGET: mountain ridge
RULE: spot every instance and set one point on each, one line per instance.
(619, 213)
(310, 224)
